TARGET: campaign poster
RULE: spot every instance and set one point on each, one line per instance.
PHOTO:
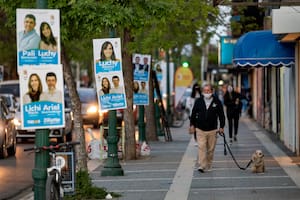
(108, 73)
(42, 97)
(38, 37)
(183, 79)
(161, 74)
(1, 73)
(141, 72)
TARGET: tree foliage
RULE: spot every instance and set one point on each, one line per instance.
(143, 26)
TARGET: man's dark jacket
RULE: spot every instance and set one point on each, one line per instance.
(233, 110)
(207, 119)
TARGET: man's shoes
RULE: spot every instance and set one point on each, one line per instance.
(230, 141)
(196, 144)
(209, 169)
(201, 170)
(235, 138)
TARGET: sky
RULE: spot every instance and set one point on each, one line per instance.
(222, 30)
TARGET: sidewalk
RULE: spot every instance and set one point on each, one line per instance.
(170, 172)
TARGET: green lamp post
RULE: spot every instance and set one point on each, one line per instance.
(41, 162)
(141, 124)
(112, 166)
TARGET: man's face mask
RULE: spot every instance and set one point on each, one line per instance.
(207, 95)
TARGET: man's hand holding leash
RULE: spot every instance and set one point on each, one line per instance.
(192, 129)
(221, 131)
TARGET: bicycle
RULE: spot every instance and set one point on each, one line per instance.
(179, 116)
(54, 187)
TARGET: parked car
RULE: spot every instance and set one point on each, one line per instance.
(11, 87)
(10, 101)
(89, 106)
(7, 132)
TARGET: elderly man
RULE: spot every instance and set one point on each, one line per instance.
(206, 113)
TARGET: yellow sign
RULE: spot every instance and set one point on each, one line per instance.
(183, 77)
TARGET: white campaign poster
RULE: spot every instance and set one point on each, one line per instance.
(42, 97)
(1, 73)
(108, 73)
(141, 72)
(161, 73)
(38, 37)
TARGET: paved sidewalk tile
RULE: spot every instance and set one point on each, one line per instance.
(170, 172)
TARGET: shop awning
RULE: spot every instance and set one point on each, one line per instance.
(261, 49)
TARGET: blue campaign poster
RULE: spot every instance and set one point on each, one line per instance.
(41, 97)
(38, 37)
(109, 74)
(141, 64)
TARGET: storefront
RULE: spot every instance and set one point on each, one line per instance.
(272, 78)
(285, 24)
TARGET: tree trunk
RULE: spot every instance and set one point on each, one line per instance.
(130, 149)
(78, 132)
(150, 114)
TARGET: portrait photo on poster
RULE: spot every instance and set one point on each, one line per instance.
(38, 36)
(141, 64)
(140, 93)
(111, 91)
(42, 97)
(107, 55)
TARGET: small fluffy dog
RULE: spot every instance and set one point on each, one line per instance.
(258, 163)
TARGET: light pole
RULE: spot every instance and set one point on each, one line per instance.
(41, 161)
(112, 166)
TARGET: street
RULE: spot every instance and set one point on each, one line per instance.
(15, 172)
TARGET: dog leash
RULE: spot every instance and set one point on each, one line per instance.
(226, 146)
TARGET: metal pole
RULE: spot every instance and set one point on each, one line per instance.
(112, 166)
(159, 130)
(168, 87)
(142, 135)
(39, 173)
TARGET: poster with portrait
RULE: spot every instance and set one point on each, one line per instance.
(1, 73)
(141, 72)
(161, 73)
(108, 73)
(42, 97)
(38, 37)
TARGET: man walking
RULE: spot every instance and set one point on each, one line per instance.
(233, 103)
(206, 112)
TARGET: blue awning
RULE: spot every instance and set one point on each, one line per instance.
(261, 49)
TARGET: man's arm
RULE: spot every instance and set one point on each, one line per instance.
(221, 116)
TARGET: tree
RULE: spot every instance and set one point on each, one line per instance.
(143, 26)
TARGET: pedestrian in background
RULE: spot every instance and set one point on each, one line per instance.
(233, 103)
(196, 93)
(206, 113)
